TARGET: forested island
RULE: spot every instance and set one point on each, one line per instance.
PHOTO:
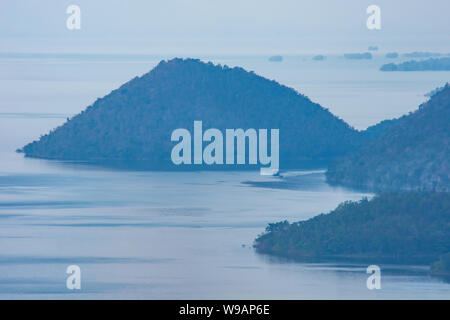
(395, 227)
(440, 64)
(134, 122)
(413, 152)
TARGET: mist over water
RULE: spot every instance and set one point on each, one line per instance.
(142, 234)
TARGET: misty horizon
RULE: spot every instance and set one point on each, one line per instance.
(201, 27)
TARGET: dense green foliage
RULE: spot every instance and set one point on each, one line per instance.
(135, 121)
(441, 64)
(396, 226)
(413, 153)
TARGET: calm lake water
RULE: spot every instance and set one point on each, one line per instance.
(158, 235)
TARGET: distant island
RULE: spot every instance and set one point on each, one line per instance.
(421, 55)
(275, 58)
(441, 64)
(395, 227)
(373, 48)
(392, 55)
(133, 124)
(358, 56)
(413, 152)
(319, 57)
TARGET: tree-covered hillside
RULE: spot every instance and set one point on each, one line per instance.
(398, 226)
(412, 153)
(135, 121)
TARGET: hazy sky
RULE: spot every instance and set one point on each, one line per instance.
(228, 26)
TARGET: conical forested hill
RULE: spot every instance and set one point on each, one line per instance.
(413, 153)
(135, 122)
